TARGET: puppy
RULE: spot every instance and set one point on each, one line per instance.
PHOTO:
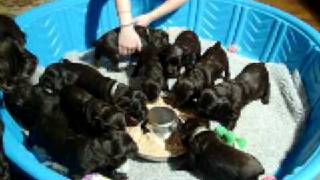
(185, 52)
(19, 101)
(55, 132)
(107, 45)
(9, 28)
(149, 78)
(224, 101)
(211, 156)
(91, 115)
(191, 83)
(189, 42)
(4, 165)
(15, 63)
(81, 154)
(132, 102)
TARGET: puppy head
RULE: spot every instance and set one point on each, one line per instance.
(108, 152)
(183, 91)
(215, 53)
(10, 56)
(216, 103)
(56, 77)
(22, 63)
(171, 57)
(152, 89)
(159, 38)
(133, 103)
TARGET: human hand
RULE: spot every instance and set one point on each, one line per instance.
(143, 20)
(129, 41)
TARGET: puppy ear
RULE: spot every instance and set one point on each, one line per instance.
(217, 44)
(65, 61)
(266, 95)
(69, 77)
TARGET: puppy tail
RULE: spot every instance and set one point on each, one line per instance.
(227, 72)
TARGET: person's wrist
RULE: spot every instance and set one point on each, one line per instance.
(127, 27)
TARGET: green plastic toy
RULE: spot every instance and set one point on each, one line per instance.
(230, 137)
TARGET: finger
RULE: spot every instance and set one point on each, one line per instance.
(132, 50)
(124, 51)
(121, 50)
(139, 48)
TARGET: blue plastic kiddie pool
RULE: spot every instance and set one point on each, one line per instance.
(262, 32)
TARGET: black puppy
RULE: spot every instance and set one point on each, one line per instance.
(185, 52)
(15, 63)
(59, 75)
(53, 130)
(149, 78)
(90, 115)
(107, 45)
(19, 103)
(4, 165)
(9, 28)
(211, 156)
(224, 101)
(81, 154)
(191, 83)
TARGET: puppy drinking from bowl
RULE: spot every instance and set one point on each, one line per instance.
(224, 101)
(148, 74)
(157, 137)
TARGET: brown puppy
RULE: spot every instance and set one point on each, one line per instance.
(224, 101)
(149, 74)
(92, 116)
(208, 154)
(107, 45)
(185, 52)
(191, 83)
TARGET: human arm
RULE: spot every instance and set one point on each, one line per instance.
(129, 41)
(167, 7)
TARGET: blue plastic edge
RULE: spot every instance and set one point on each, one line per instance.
(310, 168)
